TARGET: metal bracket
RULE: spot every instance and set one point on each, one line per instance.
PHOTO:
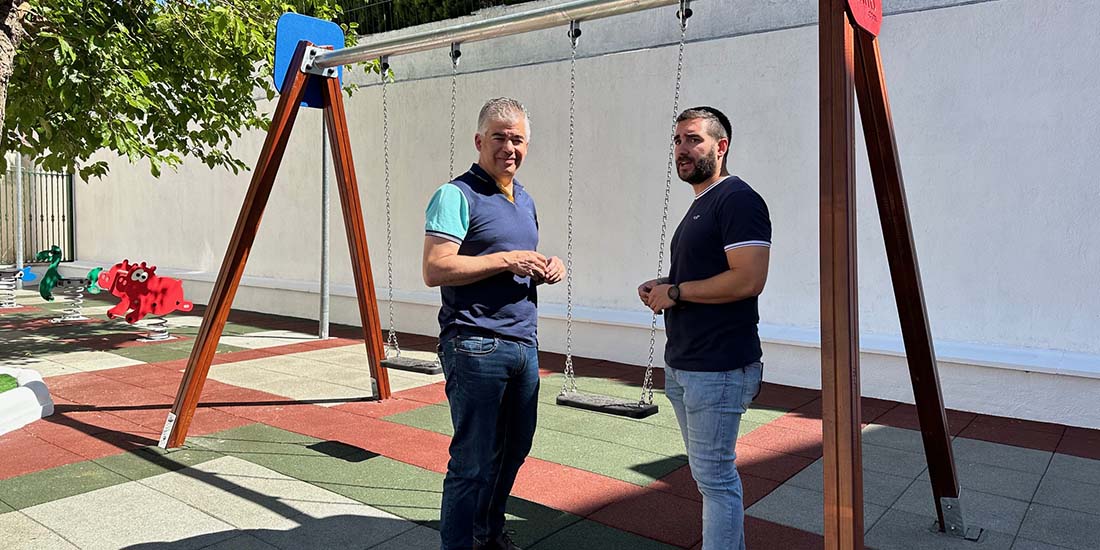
(684, 13)
(308, 67)
(574, 31)
(954, 524)
(456, 53)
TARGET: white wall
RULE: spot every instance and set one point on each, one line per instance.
(994, 105)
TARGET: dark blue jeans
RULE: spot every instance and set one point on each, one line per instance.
(493, 388)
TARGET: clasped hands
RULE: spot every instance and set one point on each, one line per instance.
(528, 263)
(654, 295)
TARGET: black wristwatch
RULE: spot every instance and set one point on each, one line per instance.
(674, 293)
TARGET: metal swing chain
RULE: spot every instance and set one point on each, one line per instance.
(455, 54)
(647, 384)
(391, 338)
(570, 384)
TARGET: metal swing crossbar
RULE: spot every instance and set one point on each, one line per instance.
(569, 395)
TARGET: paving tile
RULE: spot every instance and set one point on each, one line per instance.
(803, 509)
(417, 538)
(1004, 456)
(56, 483)
(983, 510)
(23, 533)
(975, 476)
(1075, 468)
(302, 388)
(878, 488)
(1061, 527)
(90, 361)
(1066, 493)
(900, 530)
(125, 515)
(761, 533)
(266, 339)
(590, 534)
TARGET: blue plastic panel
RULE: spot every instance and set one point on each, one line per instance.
(293, 28)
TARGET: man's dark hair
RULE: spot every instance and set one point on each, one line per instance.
(718, 125)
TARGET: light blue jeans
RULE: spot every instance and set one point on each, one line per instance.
(708, 407)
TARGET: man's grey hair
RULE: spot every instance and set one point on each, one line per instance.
(502, 109)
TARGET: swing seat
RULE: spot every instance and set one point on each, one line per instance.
(412, 364)
(605, 404)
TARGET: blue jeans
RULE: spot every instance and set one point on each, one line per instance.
(493, 389)
(708, 407)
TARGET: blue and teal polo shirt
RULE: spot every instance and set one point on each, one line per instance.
(715, 337)
(474, 213)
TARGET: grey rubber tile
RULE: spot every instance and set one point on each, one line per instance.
(900, 530)
(1067, 493)
(1061, 527)
(1075, 468)
(878, 488)
(803, 509)
(992, 512)
(1002, 456)
(418, 538)
(975, 476)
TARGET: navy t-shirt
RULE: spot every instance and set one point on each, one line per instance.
(474, 213)
(715, 337)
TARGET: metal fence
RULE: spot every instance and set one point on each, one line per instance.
(47, 214)
(374, 16)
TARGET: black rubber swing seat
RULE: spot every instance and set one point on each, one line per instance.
(412, 364)
(605, 404)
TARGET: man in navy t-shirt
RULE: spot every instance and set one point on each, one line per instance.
(719, 265)
(481, 233)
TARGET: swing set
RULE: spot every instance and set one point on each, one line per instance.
(310, 53)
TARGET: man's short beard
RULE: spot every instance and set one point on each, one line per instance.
(704, 168)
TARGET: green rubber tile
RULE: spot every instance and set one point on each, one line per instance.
(170, 351)
(261, 440)
(56, 483)
(532, 522)
(613, 429)
(151, 461)
(4, 508)
(665, 416)
(589, 534)
(401, 489)
(627, 460)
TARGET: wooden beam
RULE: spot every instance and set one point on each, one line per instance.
(897, 232)
(843, 478)
(357, 234)
(236, 254)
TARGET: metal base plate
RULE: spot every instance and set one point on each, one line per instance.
(412, 364)
(605, 404)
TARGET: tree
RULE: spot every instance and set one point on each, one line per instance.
(159, 80)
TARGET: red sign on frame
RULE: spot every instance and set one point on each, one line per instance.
(868, 14)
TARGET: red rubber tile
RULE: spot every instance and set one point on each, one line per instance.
(142, 376)
(20, 309)
(756, 488)
(24, 454)
(764, 535)
(785, 397)
(656, 515)
(238, 356)
(1031, 439)
(904, 416)
(679, 483)
(768, 464)
(380, 409)
(1009, 424)
(89, 446)
(429, 394)
(568, 489)
(784, 440)
(1080, 444)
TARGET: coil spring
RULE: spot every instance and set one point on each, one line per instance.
(158, 330)
(74, 295)
(8, 285)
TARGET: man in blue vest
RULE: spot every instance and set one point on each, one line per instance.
(480, 249)
(713, 371)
